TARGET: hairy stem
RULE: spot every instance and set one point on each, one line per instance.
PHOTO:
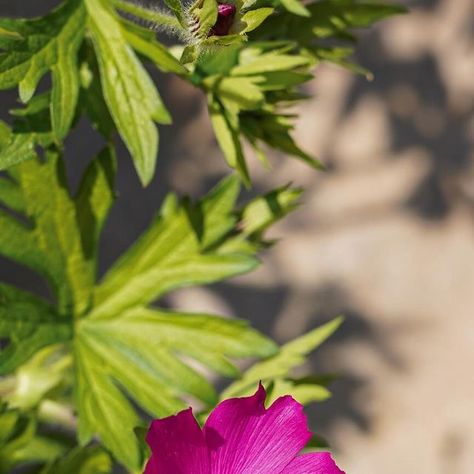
(153, 16)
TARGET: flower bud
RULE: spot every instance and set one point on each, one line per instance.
(225, 19)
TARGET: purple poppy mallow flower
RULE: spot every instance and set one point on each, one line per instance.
(225, 19)
(240, 436)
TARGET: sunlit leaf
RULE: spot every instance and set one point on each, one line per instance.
(130, 94)
(254, 18)
(140, 351)
(168, 255)
(290, 356)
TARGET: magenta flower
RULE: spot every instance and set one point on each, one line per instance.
(240, 436)
(225, 18)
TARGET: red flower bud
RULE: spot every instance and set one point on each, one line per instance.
(225, 18)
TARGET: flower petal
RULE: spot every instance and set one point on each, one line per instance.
(245, 438)
(178, 446)
(312, 463)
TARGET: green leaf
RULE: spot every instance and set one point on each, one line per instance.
(52, 224)
(16, 431)
(100, 405)
(4, 134)
(10, 195)
(92, 100)
(33, 121)
(291, 355)
(205, 12)
(155, 281)
(40, 375)
(274, 130)
(140, 352)
(88, 460)
(228, 140)
(9, 34)
(329, 19)
(259, 214)
(31, 127)
(340, 57)
(144, 41)
(296, 7)
(177, 8)
(278, 80)
(94, 199)
(17, 242)
(172, 253)
(51, 208)
(217, 212)
(48, 43)
(220, 62)
(263, 211)
(131, 96)
(254, 18)
(267, 63)
(19, 148)
(148, 16)
(303, 393)
(40, 450)
(29, 324)
(166, 257)
(242, 91)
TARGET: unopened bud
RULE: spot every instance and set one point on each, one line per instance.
(225, 19)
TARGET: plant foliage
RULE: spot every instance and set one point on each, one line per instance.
(119, 343)
(101, 355)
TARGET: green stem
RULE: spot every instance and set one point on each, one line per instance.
(7, 385)
(58, 414)
(159, 18)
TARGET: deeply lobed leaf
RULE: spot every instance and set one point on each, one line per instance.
(37, 46)
(133, 100)
(141, 352)
(29, 324)
(53, 222)
(277, 368)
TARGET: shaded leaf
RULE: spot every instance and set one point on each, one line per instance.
(88, 460)
(48, 43)
(28, 324)
(16, 431)
(53, 214)
(50, 222)
(94, 200)
(92, 100)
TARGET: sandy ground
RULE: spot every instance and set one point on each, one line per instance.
(385, 237)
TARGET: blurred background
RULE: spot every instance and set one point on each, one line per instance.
(385, 236)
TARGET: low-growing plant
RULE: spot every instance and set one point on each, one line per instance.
(81, 374)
